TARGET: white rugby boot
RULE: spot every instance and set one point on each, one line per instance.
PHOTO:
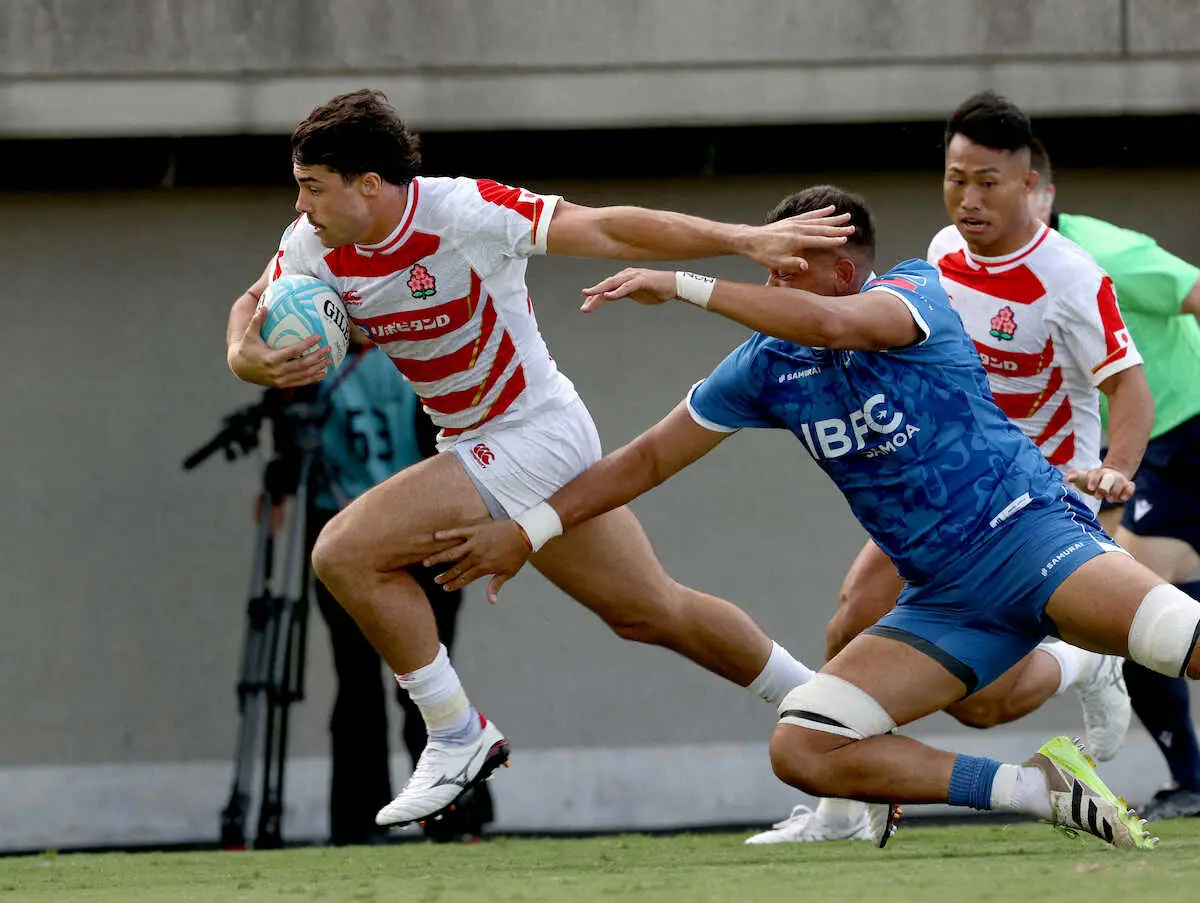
(441, 775)
(1106, 708)
(875, 822)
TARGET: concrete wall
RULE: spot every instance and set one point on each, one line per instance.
(83, 67)
(125, 579)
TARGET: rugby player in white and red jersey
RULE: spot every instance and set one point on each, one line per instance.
(1044, 319)
(433, 271)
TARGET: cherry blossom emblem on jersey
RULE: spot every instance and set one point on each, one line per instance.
(420, 283)
(1003, 324)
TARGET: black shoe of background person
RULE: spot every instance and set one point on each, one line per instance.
(466, 824)
(1172, 802)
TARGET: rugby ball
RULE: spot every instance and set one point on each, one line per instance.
(301, 306)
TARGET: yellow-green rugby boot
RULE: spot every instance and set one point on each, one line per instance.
(1080, 801)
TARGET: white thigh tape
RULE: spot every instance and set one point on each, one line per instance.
(1164, 630)
(835, 706)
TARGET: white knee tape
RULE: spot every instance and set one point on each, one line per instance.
(835, 706)
(1164, 630)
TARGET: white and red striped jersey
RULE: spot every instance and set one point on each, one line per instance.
(445, 297)
(1045, 322)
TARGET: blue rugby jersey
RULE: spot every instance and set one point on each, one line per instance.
(369, 434)
(911, 436)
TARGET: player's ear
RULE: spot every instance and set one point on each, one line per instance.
(845, 271)
(371, 184)
(1031, 181)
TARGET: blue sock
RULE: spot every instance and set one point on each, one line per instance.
(1161, 704)
(971, 781)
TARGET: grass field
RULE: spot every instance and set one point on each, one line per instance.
(1020, 862)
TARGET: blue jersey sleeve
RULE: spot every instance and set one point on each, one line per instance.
(917, 284)
(730, 398)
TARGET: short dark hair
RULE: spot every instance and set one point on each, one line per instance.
(1039, 162)
(820, 196)
(991, 120)
(358, 133)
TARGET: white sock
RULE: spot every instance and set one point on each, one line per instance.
(833, 809)
(437, 692)
(1021, 788)
(1075, 665)
(779, 676)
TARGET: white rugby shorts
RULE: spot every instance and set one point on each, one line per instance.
(522, 464)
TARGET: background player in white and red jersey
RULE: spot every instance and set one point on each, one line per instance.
(1044, 319)
(1159, 296)
(433, 271)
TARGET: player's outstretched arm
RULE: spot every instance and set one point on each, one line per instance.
(872, 321)
(501, 548)
(1130, 419)
(636, 233)
(252, 360)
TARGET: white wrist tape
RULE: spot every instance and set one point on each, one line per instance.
(694, 288)
(541, 524)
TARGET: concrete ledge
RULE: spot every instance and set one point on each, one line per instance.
(625, 98)
(105, 38)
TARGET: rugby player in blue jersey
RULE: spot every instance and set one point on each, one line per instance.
(882, 387)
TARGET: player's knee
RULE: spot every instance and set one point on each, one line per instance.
(332, 553)
(797, 759)
(1164, 632)
(829, 712)
(980, 714)
(653, 619)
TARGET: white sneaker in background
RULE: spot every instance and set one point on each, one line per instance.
(806, 825)
(1106, 708)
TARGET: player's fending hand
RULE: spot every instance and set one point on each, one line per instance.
(643, 286)
(1105, 483)
(254, 361)
(779, 246)
(495, 547)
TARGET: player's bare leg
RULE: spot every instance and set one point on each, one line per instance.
(1048, 671)
(361, 556)
(1095, 608)
(1172, 559)
(868, 592)
(833, 741)
(1162, 704)
(904, 683)
(608, 565)
(1018, 691)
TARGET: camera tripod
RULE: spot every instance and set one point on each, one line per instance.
(273, 655)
